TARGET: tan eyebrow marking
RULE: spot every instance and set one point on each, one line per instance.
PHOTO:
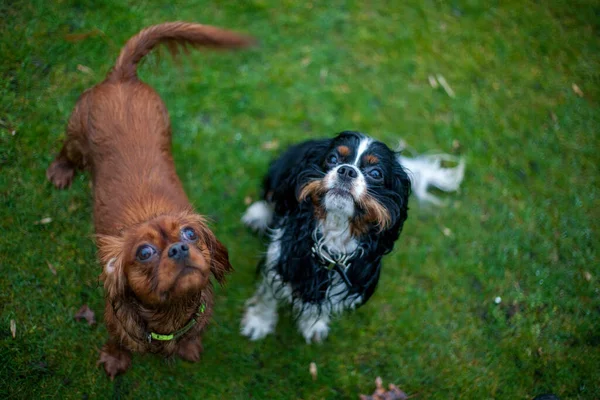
(344, 151)
(371, 159)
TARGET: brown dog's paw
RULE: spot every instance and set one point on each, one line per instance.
(115, 359)
(191, 349)
(60, 173)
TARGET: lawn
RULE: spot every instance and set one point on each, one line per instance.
(525, 115)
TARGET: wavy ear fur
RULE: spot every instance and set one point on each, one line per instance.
(111, 256)
(219, 256)
(292, 170)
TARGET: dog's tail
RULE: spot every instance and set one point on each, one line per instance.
(176, 36)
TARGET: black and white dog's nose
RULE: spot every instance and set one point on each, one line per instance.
(179, 251)
(347, 172)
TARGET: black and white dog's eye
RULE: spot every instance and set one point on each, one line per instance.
(145, 252)
(189, 234)
(332, 159)
(375, 174)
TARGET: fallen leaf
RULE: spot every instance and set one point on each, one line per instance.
(87, 314)
(432, 81)
(52, 269)
(77, 37)
(306, 61)
(446, 86)
(447, 232)
(577, 90)
(455, 144)
(271, 145)
(381, 394)
(43, 221)
(313, 371)
(323, 74)
(13, 328)
(247, 200)
(587, 275)
(84, 69)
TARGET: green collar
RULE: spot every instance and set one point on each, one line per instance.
(177, 334)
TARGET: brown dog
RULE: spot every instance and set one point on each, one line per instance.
(157, 252)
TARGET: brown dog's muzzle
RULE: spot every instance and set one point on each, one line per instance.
(179, 251)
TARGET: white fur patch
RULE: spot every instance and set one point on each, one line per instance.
(111, 265)
(335, 230)
(260, 318)
(314, 323)
(338, 204)
(258, 216)
(362, 147)
(314, 326)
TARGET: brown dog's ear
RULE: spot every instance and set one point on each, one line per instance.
(219, 256)
(219, 265)
(111, 256)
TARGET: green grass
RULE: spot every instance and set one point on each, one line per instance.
(523, 227)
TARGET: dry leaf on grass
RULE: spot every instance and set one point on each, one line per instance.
(381, 394)
(43, 221)
(577, 90)
(84, 69)
(52, 269)
(455, 145)
(313, 371)
(78, 37)
(433, 82)
(13, 328)
(270, 145)
(446, 86)
(247, 200)
(87, 314)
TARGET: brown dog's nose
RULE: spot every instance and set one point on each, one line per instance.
(179, 251)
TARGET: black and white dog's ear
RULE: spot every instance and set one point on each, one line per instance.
(402, 185)
(296, 167)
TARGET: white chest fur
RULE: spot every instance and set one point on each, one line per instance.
(335, 233)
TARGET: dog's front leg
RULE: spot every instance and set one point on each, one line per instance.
(116, 358)
(261, 316)
(190, 349)
(313, 321)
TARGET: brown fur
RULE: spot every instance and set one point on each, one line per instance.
(374, 212)
(120, 131)
(371, 159)
(344, 151)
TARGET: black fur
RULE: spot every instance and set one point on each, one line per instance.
(297, 266)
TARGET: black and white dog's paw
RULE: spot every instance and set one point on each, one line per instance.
(258, 322)
(258, 216)
(312, 330)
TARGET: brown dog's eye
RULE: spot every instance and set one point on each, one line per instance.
(189, 235)
(145, 252)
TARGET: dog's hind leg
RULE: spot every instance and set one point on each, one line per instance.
(72, 156)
